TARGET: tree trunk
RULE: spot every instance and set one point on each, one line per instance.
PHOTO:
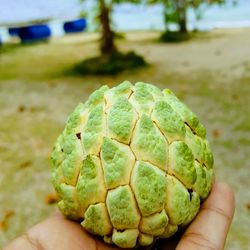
(165, 14)
(107, 36)
(182, 15)
(183, 24)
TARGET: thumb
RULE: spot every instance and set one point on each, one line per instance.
(210, 227)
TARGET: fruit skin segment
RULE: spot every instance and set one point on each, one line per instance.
(132, 165)
(122, 208)
(117, 161)
(149, 184)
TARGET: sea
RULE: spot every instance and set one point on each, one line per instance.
(125, 16)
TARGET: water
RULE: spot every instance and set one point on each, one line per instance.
(126, 16)
(129, 17)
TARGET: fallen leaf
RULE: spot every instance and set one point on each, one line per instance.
(21, 108)
(51, 198)
(216, 133)
(248, 205)
(235, 97)
(25, 164)
(4, 223)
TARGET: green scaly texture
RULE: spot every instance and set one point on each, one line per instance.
(149, 185)
(132, 164)
(122, 208)
(92, 133)
(168, 121)
(148, 143)
(120, 119)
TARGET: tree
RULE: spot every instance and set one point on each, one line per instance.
(111, 61)
(180, 10)
(104, 17)
(107, 36)
(176, 10)
(200, 6)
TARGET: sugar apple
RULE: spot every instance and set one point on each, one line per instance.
(132, 164)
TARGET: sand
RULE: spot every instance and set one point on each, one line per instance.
(211, 73)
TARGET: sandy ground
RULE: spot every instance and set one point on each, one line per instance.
(211, 73)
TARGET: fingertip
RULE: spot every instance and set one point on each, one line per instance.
(223, 195)
(226, 190)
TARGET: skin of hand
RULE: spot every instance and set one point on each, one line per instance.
(207, 231)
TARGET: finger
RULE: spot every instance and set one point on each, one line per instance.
(58, 233)
(209, 229)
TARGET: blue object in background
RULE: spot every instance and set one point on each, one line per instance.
(78, 25)
(34, 33)
(14, 31)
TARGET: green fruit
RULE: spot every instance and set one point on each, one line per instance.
(132, 164)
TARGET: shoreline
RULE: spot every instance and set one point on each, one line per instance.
(218, 50)
(58, 33)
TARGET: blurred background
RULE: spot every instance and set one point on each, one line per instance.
(53, 54)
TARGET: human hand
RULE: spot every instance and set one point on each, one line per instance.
(208, 230)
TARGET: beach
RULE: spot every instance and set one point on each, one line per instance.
(210, 73)
(125, 16)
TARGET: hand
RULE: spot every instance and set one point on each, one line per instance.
(208, 230)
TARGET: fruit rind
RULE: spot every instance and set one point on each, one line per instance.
(132, 165)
